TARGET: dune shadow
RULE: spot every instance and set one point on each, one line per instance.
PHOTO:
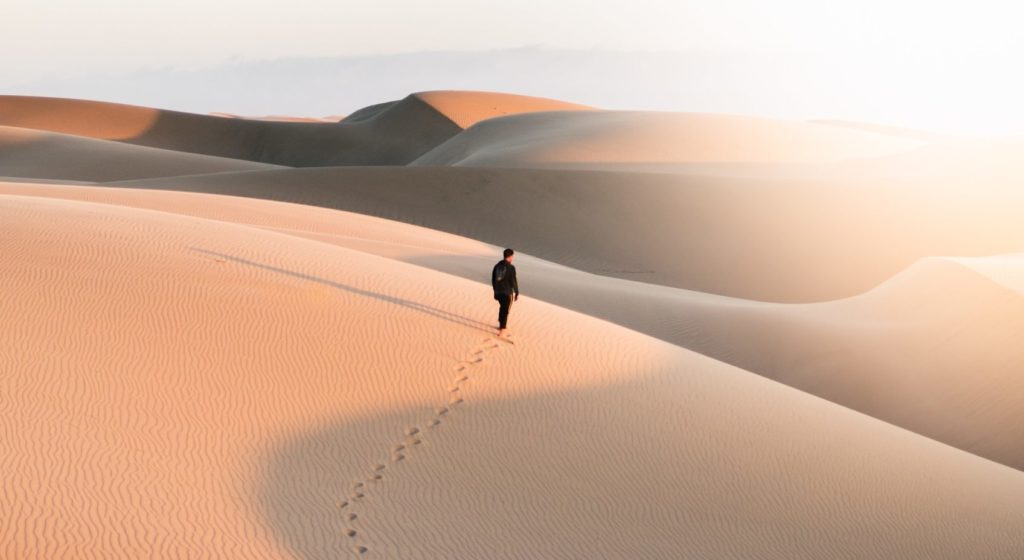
(307, 493)
(396, 134)
(414, 305)
(560, 474)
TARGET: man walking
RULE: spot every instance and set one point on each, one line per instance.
(506, 288)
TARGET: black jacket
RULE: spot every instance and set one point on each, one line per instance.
(508, 284)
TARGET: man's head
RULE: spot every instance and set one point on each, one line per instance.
(508, 254)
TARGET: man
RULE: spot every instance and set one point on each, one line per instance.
(506, 288)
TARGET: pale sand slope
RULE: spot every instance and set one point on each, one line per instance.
(774, 240)
(396, 134)
(49, 155)
(933, 350)
(967, 162)
(632, 136)
(218, 390)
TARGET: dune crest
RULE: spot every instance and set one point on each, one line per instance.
(397, 133)
(39, 154)
(79, 117)
(783, 240)
(467, 108)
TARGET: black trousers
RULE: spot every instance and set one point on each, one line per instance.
(505, 302)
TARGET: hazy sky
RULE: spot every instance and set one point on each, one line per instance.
(962, 49)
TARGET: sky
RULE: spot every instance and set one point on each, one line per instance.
(934, 64)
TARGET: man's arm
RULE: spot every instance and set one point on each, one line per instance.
(515, 283)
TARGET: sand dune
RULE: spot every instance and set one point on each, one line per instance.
(773, 240)
(36, 154)
(193, 375)
(280, 375)
(639, 137)
(393, 133)
(399, 133)
(279, 118)
(875, 353)
(934, 350)
(467, 108)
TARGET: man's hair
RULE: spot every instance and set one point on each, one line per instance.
(509, 252)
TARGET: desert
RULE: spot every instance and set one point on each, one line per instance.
(738, 336)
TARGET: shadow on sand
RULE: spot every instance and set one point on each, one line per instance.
(309, 478)
(567, 474)
(414, 305)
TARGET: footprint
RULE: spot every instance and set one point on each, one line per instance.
(398, 457)
(453, 389)
(351, 517)
(478, 359)
(350, 533)
(414, 441)
(455, 401)
(356, 485)
(412, 431)
(379, 467)
(360, 549)
(462, 379)
(357, 496)
(441, 411)
(398, 447)
(435, 423)
(376, 477)
(460, 367)
(343, 504)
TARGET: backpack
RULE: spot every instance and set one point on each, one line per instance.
(500, 271)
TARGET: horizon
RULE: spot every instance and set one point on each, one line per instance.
(937, 67)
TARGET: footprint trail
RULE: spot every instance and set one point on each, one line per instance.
(399, 452)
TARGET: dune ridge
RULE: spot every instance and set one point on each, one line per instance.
(36, 154)
(399, 133)
(278, 372)
(391, 133)
(467, 108)
(769, 240)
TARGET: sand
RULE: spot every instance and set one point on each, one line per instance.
(279, 118)
(467, 108)
(739, 337)
(47, 155)
(399, 133)
(782, 240)
(629, 136)
(392, 133)
(234, 390)
(875, 353)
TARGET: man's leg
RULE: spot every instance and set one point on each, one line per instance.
(504, 301)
